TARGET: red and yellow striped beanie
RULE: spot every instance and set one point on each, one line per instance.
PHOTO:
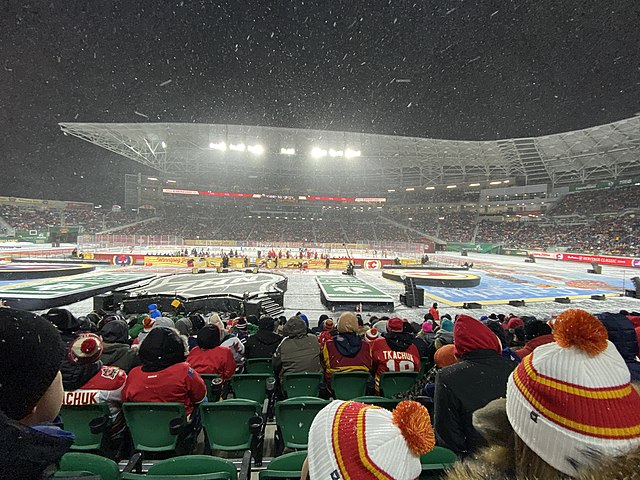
(573, 398)
(354, 441)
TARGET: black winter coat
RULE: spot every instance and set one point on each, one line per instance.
(262, 344)
(623, 335)
(26, 453)
(461, 389)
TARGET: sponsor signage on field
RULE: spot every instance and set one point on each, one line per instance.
(585, 258)
(346, 288)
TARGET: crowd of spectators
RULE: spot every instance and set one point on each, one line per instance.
(598, 201)
(465, 368)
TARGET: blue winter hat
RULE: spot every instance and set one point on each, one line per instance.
(303, 317)
(153, 306)
(447, 325)
(484, 318)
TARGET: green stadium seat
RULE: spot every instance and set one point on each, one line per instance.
(303, 384)
(189, 467)
(436, 462)
(392, 383)
(226, 423)
(149, 424)
(287, 466)
(250, 386)
(259, 365)
(388, 403)
(293, 419)
(78, 419)
(80, 465)
(349, 385)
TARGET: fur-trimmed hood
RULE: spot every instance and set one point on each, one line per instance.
(495, 463)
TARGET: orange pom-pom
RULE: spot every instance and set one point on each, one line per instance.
(415, 424)
(578, 328)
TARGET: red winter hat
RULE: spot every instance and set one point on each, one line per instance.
(395, 325)
(470, 334)
(86, 348)
(514, 323)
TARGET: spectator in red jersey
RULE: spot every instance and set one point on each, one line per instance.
(328, 331)
(394, 352)
(209, 357)
(164, 376)
(346, 352)
(104, 387)
(479, 377)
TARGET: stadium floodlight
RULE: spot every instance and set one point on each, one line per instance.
(164, 145)
(288, 151)
(505, 181)
(474, 184)
(153, 179)
(349, 153)
(430, 188)
(409, 189)
(239, 147)
(495, 183)
(452, 186)
(391, 190)
(317, 152)
(218, 146)
(335, 153)
(171, 181)
(256, 149)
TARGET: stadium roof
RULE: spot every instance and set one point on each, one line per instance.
(366, 160)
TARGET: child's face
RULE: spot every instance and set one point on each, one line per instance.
(49, 405)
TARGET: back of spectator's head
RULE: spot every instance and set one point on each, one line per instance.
(427, 327)
(303, 317)
(63, 319)
(214, 319)
(197, 322)
(85, 348)
(536, 329)
(266, 323)
(446, 325)
(184, 327)
(321, 319)
(115, 332)
(358, 441)
(31, 353)
(427, 316)
(209, 337)
(242, 324)
(514, 322)
(621, 333)
(395, 325)
(328, 325)
(571, 401)
(295, 327)
(347, 323)
(470, 334)
(162, 348)
(252, 319)
(444, 356)
(499, 332)
(371, 334)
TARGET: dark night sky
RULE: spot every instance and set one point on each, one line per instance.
(472, 70)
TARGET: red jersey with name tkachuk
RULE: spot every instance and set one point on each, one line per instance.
(177, 383)
(104, 387)
(387, 360)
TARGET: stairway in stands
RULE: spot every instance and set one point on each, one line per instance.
(270, 307)
(525, 154)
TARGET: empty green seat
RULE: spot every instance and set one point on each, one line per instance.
(226, 423)
(189, 467)
(392, 383)
(303, 384)
(76, 462)
(77, 419)
(287, 466)
(250, 386)
(349, 385)
(259, 365)
(149, 424)
(388, 403)
(294, 417)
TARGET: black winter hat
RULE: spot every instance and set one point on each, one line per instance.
(63, 319)
(209, 337)
(536, 328)
(197, 322)
(161, 348)
(31, 352)
(266, 323)
(115, 332)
